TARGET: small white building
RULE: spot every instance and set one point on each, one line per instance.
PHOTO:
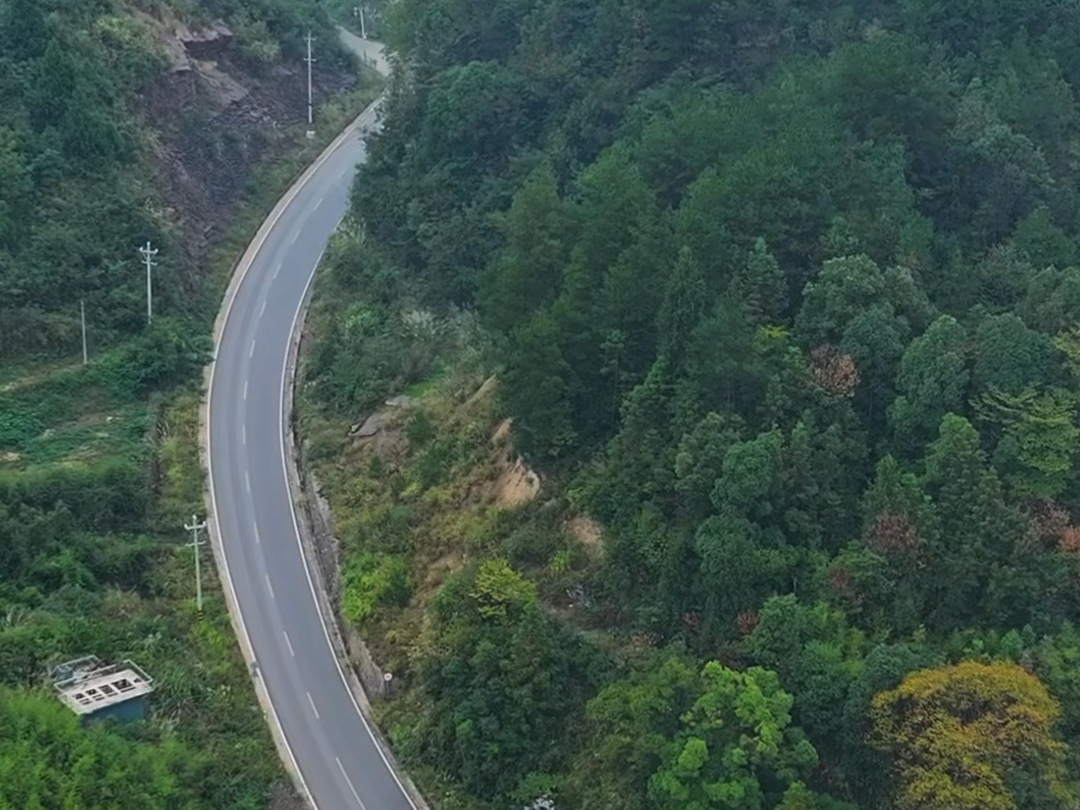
(94, 690)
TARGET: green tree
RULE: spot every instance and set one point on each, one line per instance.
(761, 285)
(735, 748)
(536, 386)
(1052, 301)
(501, 681)
(843, 290)
(528, 271)
(628, 724)
(1010, 357)
(684, 304)
(976, 525)
(932, 381)
(973, 735)
(817, 657)
(1038, 440)
(48, 759)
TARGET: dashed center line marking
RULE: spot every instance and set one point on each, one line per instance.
(270, 587)
(348, 781)
(288, 643)
(243, 434)
(255, 529)
(312, 702)
(245, 388)
(295, 236)
(262, 309)
(277, 269)
(317, 204)
(247, 482)
(251, 351)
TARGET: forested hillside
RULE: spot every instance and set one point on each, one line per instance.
(123, 121)
(783, 299)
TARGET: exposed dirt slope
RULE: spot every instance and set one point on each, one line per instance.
(218, 118)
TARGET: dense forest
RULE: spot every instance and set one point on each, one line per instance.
(785, 296)
(100, 112)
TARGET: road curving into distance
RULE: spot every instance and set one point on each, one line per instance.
(322, 735)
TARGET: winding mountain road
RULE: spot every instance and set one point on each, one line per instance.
(319, 728)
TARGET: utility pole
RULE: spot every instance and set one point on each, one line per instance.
(195, 527)
(358, 11)
(82, 318)
(309, 60)
(148, 255)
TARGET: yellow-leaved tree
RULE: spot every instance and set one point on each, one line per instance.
(973, 736)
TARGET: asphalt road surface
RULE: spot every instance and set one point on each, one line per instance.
(327, 738)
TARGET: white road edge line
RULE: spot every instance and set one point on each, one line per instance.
(288, 643)
(282, 426)
(270, 587)
(348, 781)
(219, 330)
(312, 702)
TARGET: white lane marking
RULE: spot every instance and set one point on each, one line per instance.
(277, 269)
(317, 204)
(243, 434)
(348, 781)
(312, 702)
(303, 555)
(247, 482)
(262, 309)
(295, 236)
(288, 643)
(245, 389)
(231, 294)
(251, 351)
(255, 529)
(270, 587)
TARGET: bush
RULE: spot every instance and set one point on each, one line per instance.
(17, 426)
(372, 580)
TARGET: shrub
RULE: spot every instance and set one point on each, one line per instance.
(372, 580)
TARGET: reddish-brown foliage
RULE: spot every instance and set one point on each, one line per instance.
(745, 622)
(1047, 523)
(892, 534)
(692, 619)
(838, 579)
(1070, 540)
(835, 373)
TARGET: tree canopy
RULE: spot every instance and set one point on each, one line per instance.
(782, 296)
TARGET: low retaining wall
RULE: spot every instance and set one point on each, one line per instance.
(316, 525)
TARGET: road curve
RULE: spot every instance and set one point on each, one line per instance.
(318, 726)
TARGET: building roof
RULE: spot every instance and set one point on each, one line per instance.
(92, 687)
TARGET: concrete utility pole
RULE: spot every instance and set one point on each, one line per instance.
(309, 60)
(148, 255)
(195, 527)
(82, 318)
